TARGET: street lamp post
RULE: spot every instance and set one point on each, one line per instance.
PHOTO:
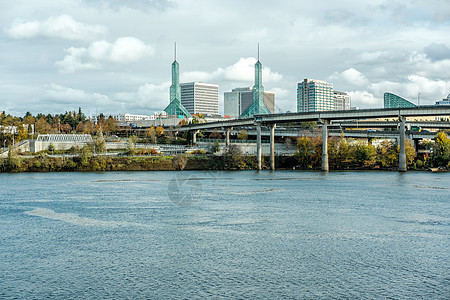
(418, 99)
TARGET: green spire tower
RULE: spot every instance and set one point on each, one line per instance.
(175, 108)
(258, 107)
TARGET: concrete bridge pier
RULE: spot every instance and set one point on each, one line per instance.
(258, 146)
(325, 166)
(194, 137)
(272, 146)
(402, 155)
(227, 136)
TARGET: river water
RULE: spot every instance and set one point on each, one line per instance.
(220, 235)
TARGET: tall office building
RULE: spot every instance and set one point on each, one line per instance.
(175, 108)
(240, 99)
(394, 101)
(341, 101)
(314, 95)
(257, 107)
(200, 98)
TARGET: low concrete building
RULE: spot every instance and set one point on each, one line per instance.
(59, 141)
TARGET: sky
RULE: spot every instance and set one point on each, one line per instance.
(113, 56)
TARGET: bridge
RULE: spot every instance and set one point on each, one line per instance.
(325, 118)
(364, 134)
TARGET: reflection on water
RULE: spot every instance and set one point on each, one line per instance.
(167, 235)
(74, 219)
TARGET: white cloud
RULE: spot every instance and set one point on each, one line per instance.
(123, 50)
(62, 94)
(426, 67)
(154, 96)
(353, 77)
(63, 26)
(141, 5)
(371, 57)
(72, 62)
(364, 99)
(242, 71)
(280, 92)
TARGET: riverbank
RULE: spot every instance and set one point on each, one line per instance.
(46, 163)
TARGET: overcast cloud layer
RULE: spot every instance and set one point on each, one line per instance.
(114, 56)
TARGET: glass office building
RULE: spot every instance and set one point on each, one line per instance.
(394, 101)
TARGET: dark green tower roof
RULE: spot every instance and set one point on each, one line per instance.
(175, 108)
(257, 107)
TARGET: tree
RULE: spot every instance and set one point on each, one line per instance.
(23, 133)
(388, 154)
(80, 116)
(130, 146)
(441, 150)
(56, 124)
(88, 127)
(66, 128)
(85, 155)
(410, 152)
(316, 156)
(182, 123)
(12, 161)
(363, 154)
(100, 144)
(42, 125)
(303, 154)
(216, 147)
(100, 123)
(198, 118)
(151, 134)
(308, 125)
(159, 131)
(343, 155)
(111, 125)
(29, 120)
(232, 158)
(215, 135)
(243, 135)
(80, 127)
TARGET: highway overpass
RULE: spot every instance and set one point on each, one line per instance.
(325, 118)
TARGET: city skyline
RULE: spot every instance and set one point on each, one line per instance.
(110, 57)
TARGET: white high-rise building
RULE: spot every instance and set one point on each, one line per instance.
(341, 101)
(200, 98)
(239, 99)
(314, 95)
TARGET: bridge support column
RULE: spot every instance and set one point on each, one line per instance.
(194, 137)
(258, 146)
(402, 154)
(325, 145)
(227, 136)
(272, 146)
